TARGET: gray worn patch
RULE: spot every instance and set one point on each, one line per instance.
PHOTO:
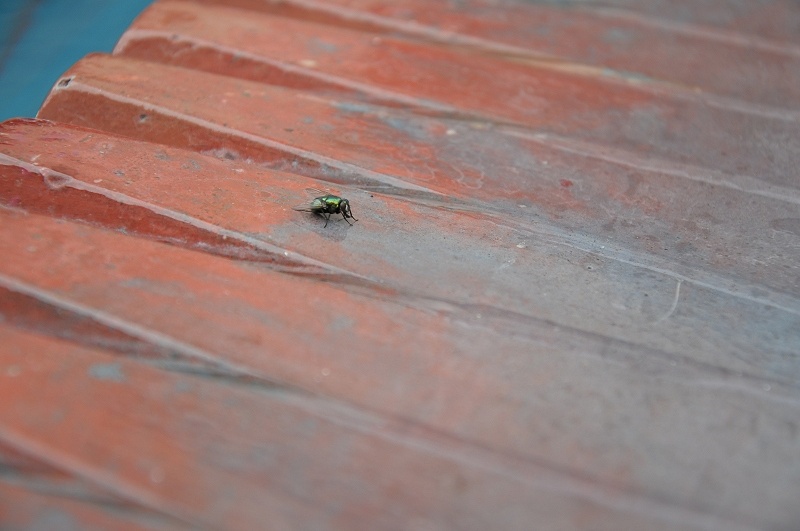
(111, 372)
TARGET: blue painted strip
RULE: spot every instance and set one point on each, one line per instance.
(41, 39)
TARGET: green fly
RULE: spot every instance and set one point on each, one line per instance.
(325, 204)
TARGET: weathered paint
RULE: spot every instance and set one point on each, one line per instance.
(571, 297)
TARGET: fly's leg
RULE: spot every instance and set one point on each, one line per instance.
(327, 219)
(347, 220)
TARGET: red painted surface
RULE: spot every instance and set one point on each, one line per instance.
(554, 98)
(570, 300)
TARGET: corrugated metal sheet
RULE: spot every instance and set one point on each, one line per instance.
(570, 299)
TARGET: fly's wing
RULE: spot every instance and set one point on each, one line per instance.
(318, 192)
(315, 205)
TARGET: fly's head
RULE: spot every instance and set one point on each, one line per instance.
(344, 206)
